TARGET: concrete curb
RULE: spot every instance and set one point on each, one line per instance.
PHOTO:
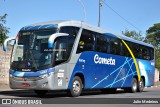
(153, 86)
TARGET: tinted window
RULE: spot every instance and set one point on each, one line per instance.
(102, 44)
(145, 53)
(151, 53)
(86, 42)
(72, 31)
(136, 48)
(115, 46)
(64, 45)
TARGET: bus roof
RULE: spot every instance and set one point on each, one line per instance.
(128, 39)
(58, 23)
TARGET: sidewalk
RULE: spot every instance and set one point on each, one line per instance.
(157, 83)
(4, 86)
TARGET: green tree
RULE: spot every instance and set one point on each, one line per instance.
(157, 56)
(133, 34)
(153, 37)
(3, 29)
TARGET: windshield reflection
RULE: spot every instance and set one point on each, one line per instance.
(30, 50)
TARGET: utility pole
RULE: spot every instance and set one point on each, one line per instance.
(99, 19)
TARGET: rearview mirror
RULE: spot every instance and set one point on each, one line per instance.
(53, 37)
(5, 43)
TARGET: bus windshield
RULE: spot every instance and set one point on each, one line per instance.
(31, 50)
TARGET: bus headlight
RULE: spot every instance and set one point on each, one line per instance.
(44, 76)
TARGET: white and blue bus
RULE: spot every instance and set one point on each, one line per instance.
(73, 55)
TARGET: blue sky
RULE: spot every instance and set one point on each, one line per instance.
(142, 13)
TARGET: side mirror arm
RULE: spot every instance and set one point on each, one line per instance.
(53, 37)
(5, 43)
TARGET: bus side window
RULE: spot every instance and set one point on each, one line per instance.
(145, 53)
(115, 47)
(151, 53)
(86, 42)
(102, 44)
(136, 50)
(72, 31)
(124, 49)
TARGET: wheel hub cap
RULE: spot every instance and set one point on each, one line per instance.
(76, 86)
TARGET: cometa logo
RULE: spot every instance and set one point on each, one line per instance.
(107, 61)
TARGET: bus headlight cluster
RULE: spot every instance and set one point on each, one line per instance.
(30, 78)
(44, 76)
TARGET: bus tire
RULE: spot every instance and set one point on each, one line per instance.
(76, 88)
(140, 85)
(41, 93)
(134, 86)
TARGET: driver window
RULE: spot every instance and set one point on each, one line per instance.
(64, 45)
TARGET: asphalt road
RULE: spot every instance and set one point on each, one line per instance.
(151, 92)
(61, 97)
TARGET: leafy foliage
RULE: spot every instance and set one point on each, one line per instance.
(3, 29)
(133, 34)
(153, 37)
(157, 54)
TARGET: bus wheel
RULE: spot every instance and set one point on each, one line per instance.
(76, 88)
(140, 85)
(41, 93)
(134, 86)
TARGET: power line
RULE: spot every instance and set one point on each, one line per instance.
(84, 10)
(120, 16)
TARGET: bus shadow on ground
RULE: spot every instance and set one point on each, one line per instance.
(54, 94)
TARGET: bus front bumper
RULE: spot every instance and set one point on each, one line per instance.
(32, 83)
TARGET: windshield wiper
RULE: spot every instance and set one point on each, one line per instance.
(33, 60)
(32, 42)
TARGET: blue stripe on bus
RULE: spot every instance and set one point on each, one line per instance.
(31, 74)
(39, 27)
(128, 73)
(111, 76)
(110, 85)
(111, 73)
(110, 34)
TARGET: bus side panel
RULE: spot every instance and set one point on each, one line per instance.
(147, 70)
(60, 77)
(104, 70)
(70, 69)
